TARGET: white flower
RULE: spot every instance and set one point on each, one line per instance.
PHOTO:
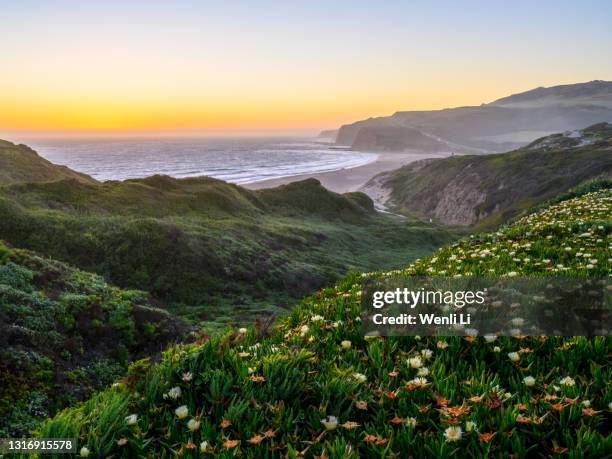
(453, 433)
(586, 403)
(242, 331)
(193, 425)
(346, 344)
(529, 381)
(423, 371)
(567, 381)
(469, 426)
(174, 393)
(316, 318)
(490, 338)
(497, 349)
(182, 411)
(360, 377)
(610, 406)
(512, 274)
(426, 354)
(330, 422)
(188, 376)
(419, 382)
(304, 329)
(131, 419)
(415, 362)
(442, 344)
(412, 422)
(203, 446)
(514, 356)
(84, 451)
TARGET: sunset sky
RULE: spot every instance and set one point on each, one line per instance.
(166, 66)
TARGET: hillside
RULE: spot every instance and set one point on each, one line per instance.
(19, 163)
(217, 252)
(65, 333)
(490, 189)
(501, 125)
(316, 387)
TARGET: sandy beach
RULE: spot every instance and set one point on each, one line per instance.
(345, 180)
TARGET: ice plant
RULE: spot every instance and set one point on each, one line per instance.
(330, 422)
(193, 425)
(453, 433)
(182, 411)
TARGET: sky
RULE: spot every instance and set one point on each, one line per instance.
(198, 66)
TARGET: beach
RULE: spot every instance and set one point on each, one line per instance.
(351, 179)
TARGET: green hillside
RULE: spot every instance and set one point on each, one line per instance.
(316, 387)
(218, 252)
(19, 163)
(490, 189)
(65, 333)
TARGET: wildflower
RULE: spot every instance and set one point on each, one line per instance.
(529, 381)
(442, 344)
(256, 439)
(469, 426)
(316, 318)
(514, 356)
(346, 344)
(242, 331)
(226, 423)
(131, 419)
(485, 437)
(512, 274)
(490, 338)
(411, 422)
(350, 425)
(182, 411)
(229, 444)
(330, 422)
(84, 451)
(423, 371)
(303, 330)
(453, 433)
(204, 446)
(419, 382)
(426, 354)
(193, 425)
(567, 381)
(174, 393)
(363, 405)
(497, 349)
(187, 376)
(360, 377)
(415, 362)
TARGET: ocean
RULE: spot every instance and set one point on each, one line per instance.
(235, 160)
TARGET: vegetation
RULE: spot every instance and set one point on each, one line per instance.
(487, 190)
(65, 333)
(316, 387)
(215, 252)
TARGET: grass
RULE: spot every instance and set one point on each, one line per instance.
(65, 333)
(313, 386)
(200, 244)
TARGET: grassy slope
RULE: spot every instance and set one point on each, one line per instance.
(65, 333)
(267, 397)
(217, 251)
(19, 163)
(510, 182)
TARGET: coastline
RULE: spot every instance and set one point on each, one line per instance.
(354, 178)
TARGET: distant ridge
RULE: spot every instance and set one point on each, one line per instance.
(490, 189)
(502, 125)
